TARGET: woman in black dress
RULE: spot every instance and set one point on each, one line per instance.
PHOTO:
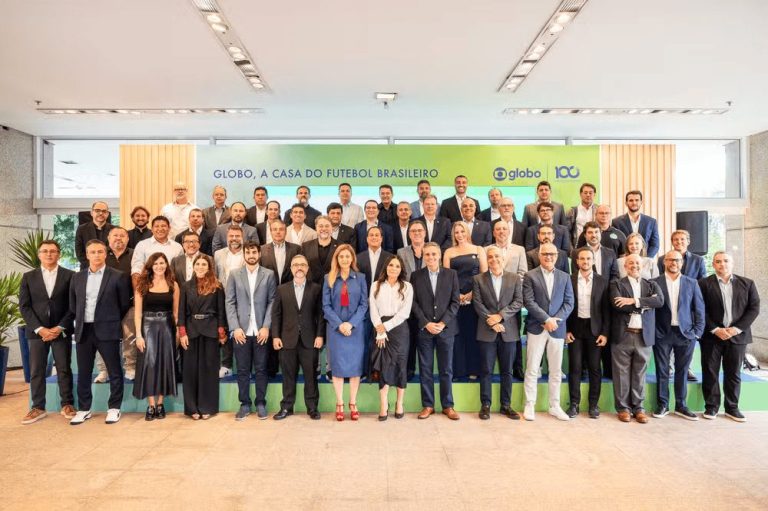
(156, 301)
(202, 328)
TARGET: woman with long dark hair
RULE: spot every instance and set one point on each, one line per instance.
(202, 328)
(390, 305)
(156, 301)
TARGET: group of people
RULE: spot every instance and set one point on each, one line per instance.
(194, 291)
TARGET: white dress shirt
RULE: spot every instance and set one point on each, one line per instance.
(726, 290)
(584, 285)
(549, 280)
(495, 214)
(404, 233)
(178, 215)
(430, 226)
(149, 246)
(635, 321)
(49, 279)
(232, 263)
(390, 303)
(673, 288)
(92, 286)
(253, 326)
(351, 214)
(298, 290)
(189, 266)
(583, 215)
(279, 258)
(597, 258)
(433, 280)
(496, 282)
(635, 225)
(374, 258)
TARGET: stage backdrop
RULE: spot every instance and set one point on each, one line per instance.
(515, 169)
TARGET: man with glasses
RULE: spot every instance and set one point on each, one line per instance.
(543, 194)
(516, 229)
(44, 305)
(182, 265)
(610, 237)
(96, 229)
(197, 226)
(546, 234)
(562, 239)
(177, 211)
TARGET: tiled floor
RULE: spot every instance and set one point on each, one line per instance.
(398, 464)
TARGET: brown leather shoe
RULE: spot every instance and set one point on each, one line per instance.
(426, 412)
(624, 416)
(68, 411)
(451, 414)
(34, 415)
(641, 417)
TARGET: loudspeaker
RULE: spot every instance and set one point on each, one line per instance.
(696, 223)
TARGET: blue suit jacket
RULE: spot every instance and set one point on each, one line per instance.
(694, 266)
(648, 229)
(562, 238)
(388, 237)
(690, 309)
(358, 301)
(441, 231)
(481, 233)
(540, 307)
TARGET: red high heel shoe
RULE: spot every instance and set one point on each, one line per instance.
(353, 413)
(340, 412)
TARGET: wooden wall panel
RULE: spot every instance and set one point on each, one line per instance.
(148, 173)
(649, 168)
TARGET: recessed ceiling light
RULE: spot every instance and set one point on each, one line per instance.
(231, 110)
(536, 111)
(615, 111)
(170, 111)
(632, 111)
(245, 111)
(214, 18)
(258, 85)
(58, 111)
(696, 111)
(219, 27)
(135, 112)
(254, 79)
(599, 111)
(563, 18)
(540, 48)
(533, 56)
(555, 28)
(386, 96)
(523, 112)
(71, 111)
(234, 49)
(586, 111)
(239, 56)
(708, 112)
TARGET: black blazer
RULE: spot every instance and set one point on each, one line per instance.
(398, 237)
(651, 298)
(532, 257)
(562, 238)
(485, 215)
(608, 265)
(310, 215)
(191, 303)
(481, 233)
(441, 306)
(518, 234)
(610, 238)
(85, 233)
(441, 231)
(38, 310)
(387, 236)
(347, 234)
(206, 240)
(599, 305)
(745, 308)
(364, 265)
(111, 305)
(450, 209)
(318, 268)
(292, 323)
(179, 268)
(251, 218)
(268, 260)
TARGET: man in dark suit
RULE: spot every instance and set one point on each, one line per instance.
(262, 229)
(400, 228)
(237, 210)
(480, 231)
(278, 254)
(214, 216)
(182, 265)
(561, 237)
(371, 261)
(257, 213)
(585, 211)
(99, 297)
(544, 194)
(497, 297)
(731, 305)
(298, 329)
(492, 213)
(588, 327)
(451, 207)
(604, 259)
(141, 231)
(548, 296)
(546, 235)
(387, 208)
(340, 232)
(610, 237)
(633, 333)
(634, 221)
(303, 194)
(694, 265)
(516, 229)
(435, 305)
(197, 226)
(678, 324)
(319, 252)
(96, 229)
(44, 305)
(438, 227)
(371, 211)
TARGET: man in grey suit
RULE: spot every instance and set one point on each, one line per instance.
(237, 210)
(249, 295)
(497, 296)
(633, 332)
(217, 214)
(548, 296)
(544, 194)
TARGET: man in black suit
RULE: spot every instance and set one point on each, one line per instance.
(273, 213)
(634, 221)
(182, 265)
(543, 194)
(303, 194)
(99, 297)
(44, 305)
(298, 329)
(562, 239)
(604, 259)
(610, 237)
(731, 305)
(546, 234)
(214, 216)
(197, 226)
(257, 213)
(585, 211)
(633, 333)
(492, 213)
(319, 252)
(497, 297)
(516, 229)
(96, 229)
(140, 218)
(340, 232)
(400, 228)
(588, 327)
(371, 263)
(371, 211)
(438, 227)
(480, 230)
(451, 207)
(435, 305)
(387, 208)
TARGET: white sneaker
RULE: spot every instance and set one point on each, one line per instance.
(529, 414)
(80, 417)
(130, 375)
(558, 413)
(224, 372)
(113, 415)
(102, 377)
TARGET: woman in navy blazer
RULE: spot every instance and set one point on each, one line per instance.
(345, 305)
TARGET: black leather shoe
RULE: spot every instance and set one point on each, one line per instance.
(572, 411)
(710, 413)
(736, 415)
(399, 415)
(314, 415)
(150, 415)
(594, 412)
(160, 412)
(282, 414)
(685, 413)
(485, 412)
(661, 411)
(691, 376)
(510, 413)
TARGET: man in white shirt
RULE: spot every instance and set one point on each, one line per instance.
(177, 212)
(159, 242)
(451, 207)
(351, 214)
(298, 232)
(585, 211)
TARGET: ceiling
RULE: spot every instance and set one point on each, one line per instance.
(324, 61)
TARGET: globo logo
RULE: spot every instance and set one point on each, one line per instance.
(502, 174)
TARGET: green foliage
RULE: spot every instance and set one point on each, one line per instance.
(25, 250)
(10, 315)
(64, 229)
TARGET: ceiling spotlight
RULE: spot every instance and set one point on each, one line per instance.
(523, 112)
(646, 111)
(183, 111)
(536, 111)
(526, 66)
(245, 111)
(234, 49)
(170, 111)
(586, 111)
(239, 56)
(599, 111)
(708, 112)
(231, 110)
(555, 28)
(219, 27)
(254, 79)
(58, 111)
(386, 96)
(533, 56)
(695, 111)
(563, 18)
(632, 111)
(661, 111)
(539, 49)
(258, 85)
(71, 111)
(512, 85)
(214, 18)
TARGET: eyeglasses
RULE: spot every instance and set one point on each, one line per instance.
(298, 265)
(548, 254)
(99, 211)
(191, 242)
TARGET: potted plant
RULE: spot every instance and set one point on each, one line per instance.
(9, 317)
(24, 252)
